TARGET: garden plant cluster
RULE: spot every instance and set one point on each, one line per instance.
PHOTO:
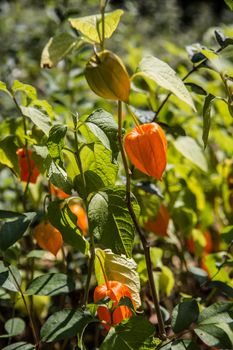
(116, 223)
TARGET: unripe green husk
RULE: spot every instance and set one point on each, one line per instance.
(107, 76)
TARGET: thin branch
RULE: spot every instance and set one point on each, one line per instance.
(92, 243)
(194, 69)
(34, 332)
(145, 244)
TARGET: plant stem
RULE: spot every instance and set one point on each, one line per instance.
(34, 332)
(145, 244)
(194, 69)
(92, 243)
(102, 10)
(26, 149)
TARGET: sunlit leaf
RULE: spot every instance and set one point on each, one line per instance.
(159, 71)
(38, 118)
(29, 90)
(10, 278)
(90, 25)
(110, 220)
(65, 324)
(136, 334)
(118, 268)
(50, 284)
(192, 151)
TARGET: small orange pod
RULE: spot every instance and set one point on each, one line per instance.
(82, 221)
(159, 225)
(57, 192)
(48, 237)
(115, 291)
(24, 166)
(146, 147)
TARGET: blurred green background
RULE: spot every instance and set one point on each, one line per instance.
(26, 26)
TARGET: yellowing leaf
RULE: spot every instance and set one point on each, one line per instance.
(56, 49)
(90, 25)
(164, 280)
(160, 72)
(118, 268)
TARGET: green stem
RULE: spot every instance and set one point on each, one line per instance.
(145, 244)
(194, 69)
(26, 149)
(92, 243)
(102, 10)
(34, 332)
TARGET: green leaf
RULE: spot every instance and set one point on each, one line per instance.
(21, 345)
(184, 344)
(99, 171)
(59, 178)
(66, 222)
(213, 335)
(8, 154)
(222, 287)
(104, 127)
(166, 280)
(36, 253)
(65, 324)
(7, 281)
(229, 3)
(29, 90)
(118, 268)
(3, 88)
(56, 49)
(220, 312)
(110, 220)
(51, 284)
(192, 151)
(14, 326)
(160, 72)
(207, 118)
(197, 89)
(55, 143)
(90, 25)
(40, 119)
(12, 231)
(184, 314)
(227, 234)
(6, 214)
(136, 334)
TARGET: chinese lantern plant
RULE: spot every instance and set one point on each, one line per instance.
(48, 237)
(28, 169)
(115, 314)
(146, 147)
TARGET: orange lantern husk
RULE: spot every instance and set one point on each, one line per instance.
(146, 147)
(48, 237)
(57, 192)
(209, 247)
(24, 165)
(115, 291)
(82, 221)
(159, 225)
